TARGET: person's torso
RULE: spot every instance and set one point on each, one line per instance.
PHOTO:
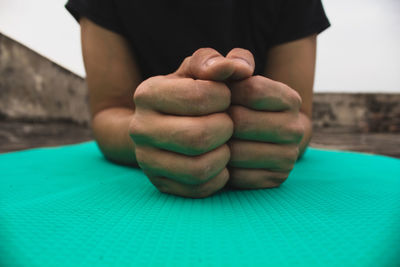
(162, 33)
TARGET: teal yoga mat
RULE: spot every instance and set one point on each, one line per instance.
(67, 206)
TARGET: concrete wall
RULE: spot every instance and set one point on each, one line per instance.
(357, 112)
(45, 27)
(34, 88)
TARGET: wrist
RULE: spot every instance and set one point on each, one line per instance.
(110, 130)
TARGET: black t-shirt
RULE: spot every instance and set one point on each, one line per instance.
(162, 33)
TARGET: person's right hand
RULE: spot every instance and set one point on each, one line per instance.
(180, 126)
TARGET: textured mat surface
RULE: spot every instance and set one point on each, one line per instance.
(67, 206)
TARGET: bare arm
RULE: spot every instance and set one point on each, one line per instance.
(293, 64)
(174, 126)
(196, 166)
(112, 77)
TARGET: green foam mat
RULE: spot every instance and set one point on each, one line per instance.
(68, 206)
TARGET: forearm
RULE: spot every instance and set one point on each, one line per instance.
(111, 132)
(306, 121)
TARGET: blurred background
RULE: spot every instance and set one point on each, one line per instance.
(357, 87)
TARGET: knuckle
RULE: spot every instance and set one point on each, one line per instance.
(291, 153)
(140, 158)
(257, 92)
(289, 158)
(136, 129)
(296, 131)
(198, 139)
(289, 96)
(134, 126)
(215, 91)
(204, 167)
(206, 96)
(199, 175)
(140, 94)
(286, 166)
(209, 188)
(256, 87)
(198, 98)
(143, 91)
(294, 98)
(200, 172)
(186, 60)
(294, 154)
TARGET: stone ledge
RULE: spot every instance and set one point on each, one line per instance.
(361, 112)
(18, 135)
(344, 139)
(34, 88)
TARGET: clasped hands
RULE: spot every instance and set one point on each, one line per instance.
(212, 123)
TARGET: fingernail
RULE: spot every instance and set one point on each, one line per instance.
(211, 61)
(241, 61)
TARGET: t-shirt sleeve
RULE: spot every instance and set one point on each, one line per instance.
(101, 12)
(298, 19)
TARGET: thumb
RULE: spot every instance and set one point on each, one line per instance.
(244, 63)
(206, 64)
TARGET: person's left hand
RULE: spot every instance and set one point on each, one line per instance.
(267, 132)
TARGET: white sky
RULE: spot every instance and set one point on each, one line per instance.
(361, 50)
(46, 27)
(359, 53)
